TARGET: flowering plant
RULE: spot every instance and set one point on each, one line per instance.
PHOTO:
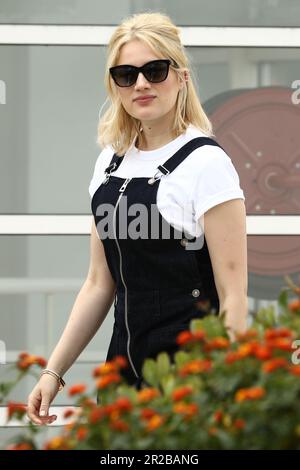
(216, 394)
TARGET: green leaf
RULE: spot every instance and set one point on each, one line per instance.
(266, 316)
(283, 298)
(168, 383)
(212, 325)
(163, 364)
(149, 371)
(181, 358)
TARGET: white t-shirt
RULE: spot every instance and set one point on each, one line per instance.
(203, 180)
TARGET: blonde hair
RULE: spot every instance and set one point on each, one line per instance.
(117, 128)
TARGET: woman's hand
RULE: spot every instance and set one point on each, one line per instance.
(40, 398)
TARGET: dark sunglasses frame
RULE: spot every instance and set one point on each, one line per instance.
(136, 70)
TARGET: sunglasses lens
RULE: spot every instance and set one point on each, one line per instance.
(124, 76)
(156, 72)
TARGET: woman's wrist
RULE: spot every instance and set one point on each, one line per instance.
(54, 374)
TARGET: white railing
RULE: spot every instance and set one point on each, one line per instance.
(57, 410)
(204, 36)
(49, 287)
(81, 224)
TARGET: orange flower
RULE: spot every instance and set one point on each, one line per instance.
(281, 332)
(219, 342)
(68, 413)
(121, 361)
(273, 364)
(110, 409)
(181, 392)
(187, 409)
(119, 425)
(14, 408)
(195, 367)
(40, 361)
(23, 355)
(218, 415)
(147, 413)
(294, 306)
(239, 423)
(96, 415)
(108, 379)
(20, 446)
(81, 433)
(187, 336)
(57, 443)
(106, 368)
(295, 370)
(147, 394)
(247, 349)
(252, 393)
(154, 422)
(231, 357)
(123, 404)
(26, 360)
(249, 334)
(285, 344)
(263, 352)
(77, 389)
(184, 337)
(199, 335)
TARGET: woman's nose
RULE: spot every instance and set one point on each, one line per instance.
(141, 81)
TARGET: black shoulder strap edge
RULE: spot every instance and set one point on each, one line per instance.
(114, 163)
(169, 165)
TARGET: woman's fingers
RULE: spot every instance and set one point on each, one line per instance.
(35, 407)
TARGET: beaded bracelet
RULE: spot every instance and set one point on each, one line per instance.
(59, 379)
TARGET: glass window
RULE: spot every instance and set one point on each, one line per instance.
(53, 96)
(39, 282)
(190, 12)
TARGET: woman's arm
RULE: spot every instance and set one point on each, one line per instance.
(88, 313)
(226, 237)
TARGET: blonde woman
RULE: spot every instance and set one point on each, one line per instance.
(159, 173)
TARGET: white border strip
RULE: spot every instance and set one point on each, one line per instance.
(204, 36)
(57, 410)
(45, 224)
(81, 224)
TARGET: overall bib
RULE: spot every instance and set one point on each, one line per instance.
(160, 283)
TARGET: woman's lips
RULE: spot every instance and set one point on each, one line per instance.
(144, 100)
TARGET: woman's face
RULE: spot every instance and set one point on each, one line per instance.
(137, 53)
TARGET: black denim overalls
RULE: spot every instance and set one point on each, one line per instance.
(160, 282)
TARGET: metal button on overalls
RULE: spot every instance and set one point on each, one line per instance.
(196, 293)
(159, 282)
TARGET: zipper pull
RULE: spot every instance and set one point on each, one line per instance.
(123, 187)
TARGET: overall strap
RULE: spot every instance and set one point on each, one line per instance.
(184, 151)
(114, 164)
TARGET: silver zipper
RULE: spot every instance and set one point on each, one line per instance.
(121, 190)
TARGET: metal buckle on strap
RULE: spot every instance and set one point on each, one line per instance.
(162, 171)
(154, 178)
(108, 172)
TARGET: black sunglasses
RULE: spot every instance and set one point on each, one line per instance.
(155, 71)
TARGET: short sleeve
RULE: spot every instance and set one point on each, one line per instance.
(217, 181)
(101, 164)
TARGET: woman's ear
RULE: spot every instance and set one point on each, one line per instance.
(186, 75)
(185, 78)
